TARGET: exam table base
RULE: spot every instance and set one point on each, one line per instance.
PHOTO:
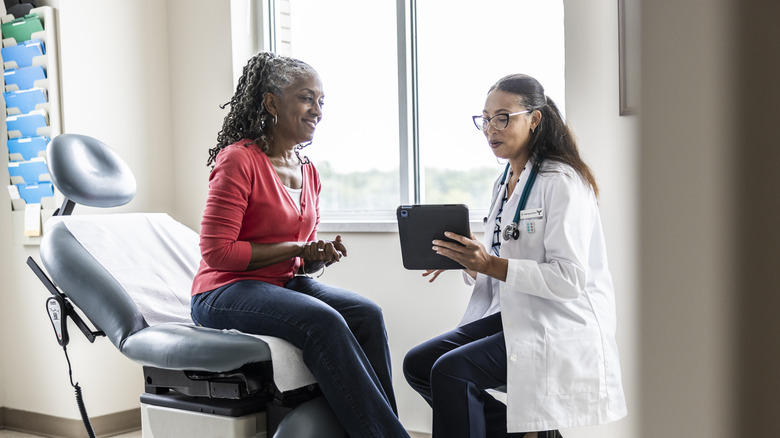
(175, 415)
(164, 422)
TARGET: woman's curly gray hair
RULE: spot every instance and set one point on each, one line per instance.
(248, 118)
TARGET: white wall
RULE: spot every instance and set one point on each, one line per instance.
(165, 67)
(158, 108)
(200, 81)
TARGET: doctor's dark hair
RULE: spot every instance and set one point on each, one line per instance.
(552, 139)
(248, 118)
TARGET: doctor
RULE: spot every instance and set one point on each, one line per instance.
(541, 318)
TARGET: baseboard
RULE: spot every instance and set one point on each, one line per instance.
(57, 427)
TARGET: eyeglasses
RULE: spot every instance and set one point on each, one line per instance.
(499, 122)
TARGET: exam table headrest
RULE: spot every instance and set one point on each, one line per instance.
(86, 171)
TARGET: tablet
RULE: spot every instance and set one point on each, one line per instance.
(419, 225)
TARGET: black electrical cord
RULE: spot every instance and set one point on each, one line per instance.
(79, 398)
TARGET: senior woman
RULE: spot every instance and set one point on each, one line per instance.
(259, 246)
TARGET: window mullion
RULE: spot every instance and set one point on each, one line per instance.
(408, 133)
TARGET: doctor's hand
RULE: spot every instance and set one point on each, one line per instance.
(470, 253)
(435, 273)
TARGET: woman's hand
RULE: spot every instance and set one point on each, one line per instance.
(470, 253)
(325, 251)
(435, 273)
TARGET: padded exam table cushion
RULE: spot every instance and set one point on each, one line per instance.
(141, 265)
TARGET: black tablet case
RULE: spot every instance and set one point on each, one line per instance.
(420, 224)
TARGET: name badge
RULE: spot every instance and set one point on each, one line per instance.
(533, 213)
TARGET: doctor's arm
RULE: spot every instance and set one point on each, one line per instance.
(469, 252)
(561, 275)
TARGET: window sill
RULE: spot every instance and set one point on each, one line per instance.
(358, 226)
(373, 226)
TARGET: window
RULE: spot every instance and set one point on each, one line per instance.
(352, 45)
(397, 120)
(458, 59)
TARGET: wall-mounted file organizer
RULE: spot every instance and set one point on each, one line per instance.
(33, 116)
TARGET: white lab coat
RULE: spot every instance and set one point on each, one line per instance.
(557, 305)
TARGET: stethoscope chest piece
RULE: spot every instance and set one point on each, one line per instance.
(511, 231)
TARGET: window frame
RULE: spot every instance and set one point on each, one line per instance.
(257, 19)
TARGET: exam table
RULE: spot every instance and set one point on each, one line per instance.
(130, 275)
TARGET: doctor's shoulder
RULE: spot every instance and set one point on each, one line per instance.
(557, 172)
(557, 176)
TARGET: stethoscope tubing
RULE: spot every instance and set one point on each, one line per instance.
(512, 230)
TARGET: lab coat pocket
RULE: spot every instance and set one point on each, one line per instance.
(532, 226)
(574, 361)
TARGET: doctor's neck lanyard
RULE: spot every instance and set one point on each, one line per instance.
(512, 230)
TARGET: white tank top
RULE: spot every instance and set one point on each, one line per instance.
(295, 194)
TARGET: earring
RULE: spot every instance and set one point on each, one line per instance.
(274, 120)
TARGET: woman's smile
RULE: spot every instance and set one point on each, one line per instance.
(311, 122)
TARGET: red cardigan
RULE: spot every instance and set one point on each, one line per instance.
(248, 203)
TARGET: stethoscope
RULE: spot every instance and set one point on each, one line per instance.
(512, 230)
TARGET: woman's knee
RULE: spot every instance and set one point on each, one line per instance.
(450, 366)
(327, 319)
(368, 321)
(417, 364)
(371, 309)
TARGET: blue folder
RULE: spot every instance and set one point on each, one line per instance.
(24, 78)
(29, 171)
(32, 193)
(26, 124)
(23, 53)
(27, 147)
(24, 100)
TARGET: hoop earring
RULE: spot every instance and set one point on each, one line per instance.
(274, 119)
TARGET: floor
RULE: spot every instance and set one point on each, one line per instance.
(11, 434)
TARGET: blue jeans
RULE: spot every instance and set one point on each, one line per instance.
(452, 371)
(342, 336)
